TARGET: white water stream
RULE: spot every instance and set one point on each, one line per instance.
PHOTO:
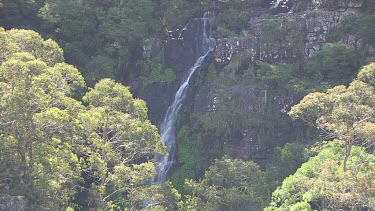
(206, 44)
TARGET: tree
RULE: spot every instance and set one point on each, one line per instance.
(96, 32)
(229, 184)
(156, 197)
(19, 13)
(343, 113)
(36, 121)
(53, 148)
(119, 136)
(284, 162)
(321, 184)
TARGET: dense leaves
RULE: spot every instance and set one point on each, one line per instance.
(336, 63)
(53, 147)
(229, 184)
(37, 131)
(321, 184)
(343, 113)
(96, 154)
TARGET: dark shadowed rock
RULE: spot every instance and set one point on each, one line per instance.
(179, 51)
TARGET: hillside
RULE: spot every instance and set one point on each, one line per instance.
(259, 104)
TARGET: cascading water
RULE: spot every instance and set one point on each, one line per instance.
(275, 3)
(283, 6)
(206, 44)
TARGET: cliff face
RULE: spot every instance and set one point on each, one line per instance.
(314, 25)
(306, 32)
(266, 124)
(179, 53)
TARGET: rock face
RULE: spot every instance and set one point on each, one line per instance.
(313, 26)
(12, 203)
(300, 36)
(179, 52)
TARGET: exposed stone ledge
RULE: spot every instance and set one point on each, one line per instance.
(315, 25)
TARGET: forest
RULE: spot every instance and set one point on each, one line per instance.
(243, 105)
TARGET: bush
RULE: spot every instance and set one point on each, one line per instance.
(222, 32)
(337, 63)
(152, 71)
(279, 75)
(233, 20)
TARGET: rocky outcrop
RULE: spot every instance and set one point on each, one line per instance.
(319, 23)
(12, 203)
(312, 25)
(226, 48)
(179, 52)
(265, 113)
(300, 36)
(350, 4)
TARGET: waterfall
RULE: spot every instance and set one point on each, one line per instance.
(206, 44)
(275, 4)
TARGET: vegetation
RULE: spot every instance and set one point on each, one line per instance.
(285, 33)
(321, 184)
(222, 32)
(229, 184)
(343, 113)
(285, 161)
(66, 146)
(336, 63)
(53, 147)
(153, 71)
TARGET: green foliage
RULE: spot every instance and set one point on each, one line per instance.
(286, 33)
(156, 76)
(272, 32)
(228, 117)
(232, 22)
(51, 143)
(367, 74)
(222, 32)
(7, 46)
(337, 63)
(159, 197)
(284, 162)
(29, 41)
(100, 67)
(99, 35)
(343, 113)
(36, 127)
(361, 26)
(153, 71)
(173, 13)
(17, 13)
(280, 75)
(194, 155)
(321, 184)
(229, 184)
(187, 158)
(228, 75)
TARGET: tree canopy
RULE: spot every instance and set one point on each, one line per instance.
(53, 147)
(229, 184)
(321, 183)
(345, 113)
